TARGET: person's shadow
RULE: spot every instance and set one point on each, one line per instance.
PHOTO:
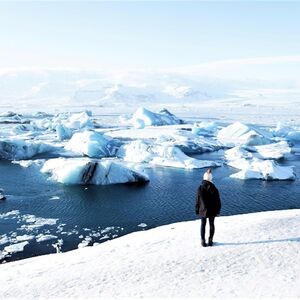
(297, 239)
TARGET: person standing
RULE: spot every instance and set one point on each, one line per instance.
(208, 206)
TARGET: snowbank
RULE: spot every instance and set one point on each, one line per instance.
(238, 133)
(144, 117)
(168, 156)
(168, 262)
(92, 144)
(87, 171)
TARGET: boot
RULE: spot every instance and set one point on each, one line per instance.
(203, 244)
(210, 242)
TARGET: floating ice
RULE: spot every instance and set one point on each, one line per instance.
(92, 144)
(238, 133)
(14, 248)
(24, 237)
(45, 237)
(2, 196)
(4, 239)
(266, 170)
(21, 149)
(270, 151)
(144, 117)
(87, 171)
(12, 213)
(169, 156)
(34, 222)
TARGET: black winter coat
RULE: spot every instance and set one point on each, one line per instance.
(208, 203)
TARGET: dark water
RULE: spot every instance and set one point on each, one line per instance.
(88, 210)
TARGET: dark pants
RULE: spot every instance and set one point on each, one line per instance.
(211, 227)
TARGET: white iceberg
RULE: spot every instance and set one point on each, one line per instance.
(144, 117)
(14, 248)
(270, 151)
(266, 170)
(21, 149)
(92, 144)
(87, 171)
(238, 133)
(257, 164)
(168, 156)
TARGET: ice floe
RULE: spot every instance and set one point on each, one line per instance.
(87, 171)
(169, 156)
(2, 195)
(92, 144)
(239, 133)
(14, 248)
(45, 237)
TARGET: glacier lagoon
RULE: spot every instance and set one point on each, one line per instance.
(86, 214)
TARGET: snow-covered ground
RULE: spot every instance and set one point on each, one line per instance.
(254, 256)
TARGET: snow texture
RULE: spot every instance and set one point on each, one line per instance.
(168, 262)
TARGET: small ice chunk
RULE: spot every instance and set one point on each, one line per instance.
(143, 225)
(25, 237)
(14, 248)
(45, 237)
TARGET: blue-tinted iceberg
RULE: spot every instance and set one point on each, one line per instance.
(87, 171)
(92, 144)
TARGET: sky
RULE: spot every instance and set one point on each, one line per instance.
(139, 34)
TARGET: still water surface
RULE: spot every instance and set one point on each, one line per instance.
(105, 212)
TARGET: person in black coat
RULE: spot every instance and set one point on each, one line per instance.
(208, 206)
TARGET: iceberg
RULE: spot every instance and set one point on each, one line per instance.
(144, 117)
(270, 151)
(260, 162)
(87, 171)
(266, 170)
(169, 156)
(92, 144)
(15, 149)
(238, 133)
